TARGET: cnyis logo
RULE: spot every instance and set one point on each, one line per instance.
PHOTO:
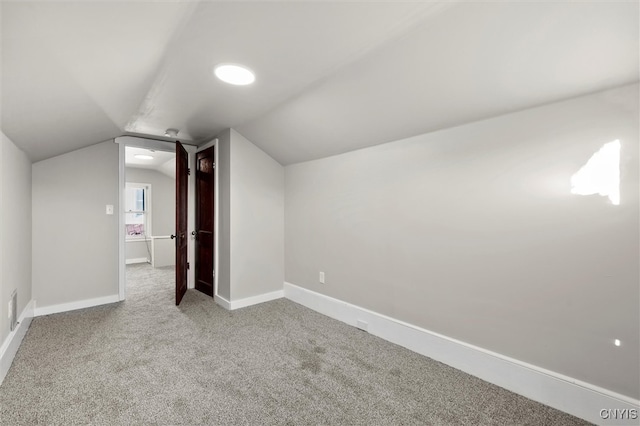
(619, 414)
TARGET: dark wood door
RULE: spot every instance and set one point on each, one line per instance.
(182, 180)
(205, 196)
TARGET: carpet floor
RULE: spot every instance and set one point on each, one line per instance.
(146, 361)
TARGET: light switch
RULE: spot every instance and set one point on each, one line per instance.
(109, 208)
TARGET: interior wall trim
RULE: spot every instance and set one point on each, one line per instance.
(564, 393)
(72, 306)
(230, 305)
(222, 302)
(137, 260)
(13, 341)
(254, 300)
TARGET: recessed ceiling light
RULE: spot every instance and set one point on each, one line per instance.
(234, 74)
(143, 157)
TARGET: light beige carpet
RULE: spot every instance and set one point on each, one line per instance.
(146, 361)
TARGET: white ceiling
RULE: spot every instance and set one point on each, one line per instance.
(331, 76)
(162, 161)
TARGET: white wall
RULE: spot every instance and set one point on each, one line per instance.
(257, 220)
(472, 232)
(3, 316)
(223, 164)
(163, 198)
(15, 233)
(137, 251)
(251, 219)
(75, 244)
(163, 210)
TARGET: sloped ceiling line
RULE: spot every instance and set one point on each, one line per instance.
(331, 76)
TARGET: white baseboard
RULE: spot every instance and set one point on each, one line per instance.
(136, 260)
(72, 306)
(12, 343)
(248, 301)
(222, 302)
(254, 300)
(564, 393)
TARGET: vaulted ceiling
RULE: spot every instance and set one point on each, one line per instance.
(330, 76)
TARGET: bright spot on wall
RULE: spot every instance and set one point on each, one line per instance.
(601, 174)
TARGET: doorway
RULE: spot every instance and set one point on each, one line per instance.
(205, 220)
(149, 213)
(166, 147)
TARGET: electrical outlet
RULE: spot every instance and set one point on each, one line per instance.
(321, 278)
(10, 314)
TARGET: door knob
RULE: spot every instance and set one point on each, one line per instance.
(172, 236)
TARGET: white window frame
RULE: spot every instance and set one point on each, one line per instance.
(147, 212)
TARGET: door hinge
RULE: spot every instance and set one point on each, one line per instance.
(188, 266)
(189, 172)
(213, 166)
(214, 274)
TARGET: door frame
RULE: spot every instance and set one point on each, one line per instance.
(139, 142)
(216, 212)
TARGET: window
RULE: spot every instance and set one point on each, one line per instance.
(137, 208)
